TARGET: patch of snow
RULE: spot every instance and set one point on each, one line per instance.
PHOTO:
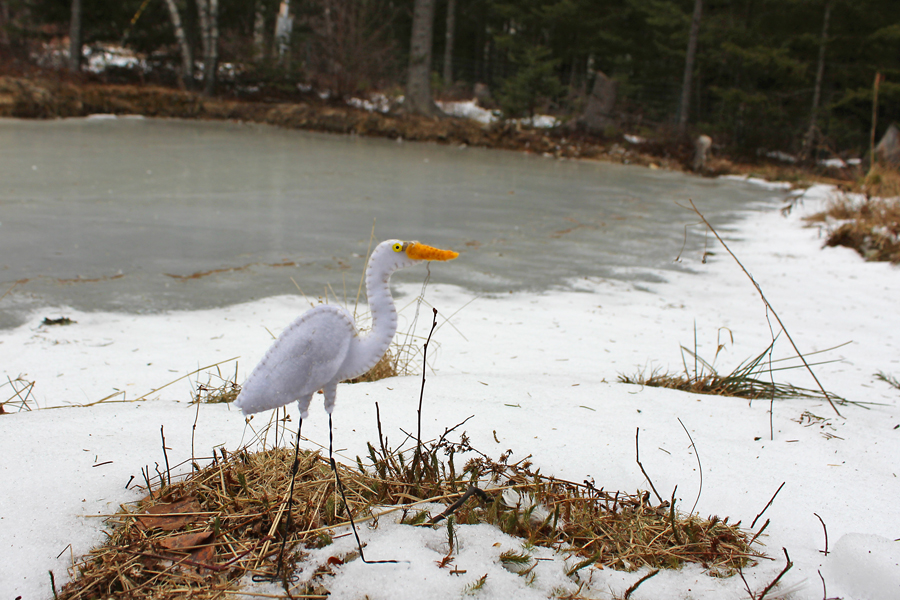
(865, 567)
(541, 121)
(834, 163)
(782, 156)
(469, 109)
(375, 103)
(634, 139)
(100, 57)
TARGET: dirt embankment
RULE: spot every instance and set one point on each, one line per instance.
(46, 99)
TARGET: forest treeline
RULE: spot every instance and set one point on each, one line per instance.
(798, 76)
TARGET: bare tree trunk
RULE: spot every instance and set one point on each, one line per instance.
(4, 22)
(284, 24)
(684, 106)
(75, 37)
(187, 56)
(209, 33)
(259, 32)
(418, 79)
(213, 59)
(810, 138)
(448, 43)
(203, 16)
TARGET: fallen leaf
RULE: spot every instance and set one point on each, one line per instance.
(170, 516)
(186, 540)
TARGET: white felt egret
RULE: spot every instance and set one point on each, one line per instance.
(323, 347)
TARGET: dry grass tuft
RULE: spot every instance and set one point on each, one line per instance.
(889, 379)
(882, 181)
(200, 536)
(218, 389)
(609, 529)
(752, 379)
(871, 227)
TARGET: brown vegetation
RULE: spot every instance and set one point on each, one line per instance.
(201, 535)
(871, 226)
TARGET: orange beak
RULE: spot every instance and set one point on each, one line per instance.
(418, 251)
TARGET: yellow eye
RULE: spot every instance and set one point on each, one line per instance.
(398, 247)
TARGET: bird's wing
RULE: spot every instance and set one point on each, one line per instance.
(305, 357)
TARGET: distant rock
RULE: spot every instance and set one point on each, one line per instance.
(598, 113)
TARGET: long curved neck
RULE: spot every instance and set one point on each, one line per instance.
(372, 344)
(384, 313)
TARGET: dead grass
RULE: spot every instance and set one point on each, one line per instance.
(753, 379)
(201, 535)
(889, 379)
(18, 395)
(872, 226)
(881, 181)
(218, 389)
(609, 529)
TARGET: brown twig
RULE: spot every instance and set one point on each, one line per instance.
(422, 391)
(635, 585)
(768, 504)
(786, 568)
(165, 454)
(637, 457)
(768, 305)
(825, 529)
(759, 533)
(462, 499)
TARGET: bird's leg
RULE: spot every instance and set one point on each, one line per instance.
(337, 480)
(287, 527)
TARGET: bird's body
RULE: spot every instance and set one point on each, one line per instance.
(323, 347)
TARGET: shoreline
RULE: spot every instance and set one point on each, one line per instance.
(44, 98)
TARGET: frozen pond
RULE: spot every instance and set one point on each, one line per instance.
(142, 215)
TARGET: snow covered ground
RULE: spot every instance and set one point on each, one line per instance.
(538, 371)
(467, 109)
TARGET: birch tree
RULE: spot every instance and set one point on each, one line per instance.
(259, 33)
(187, 55)
(284, 25)
(208, 11)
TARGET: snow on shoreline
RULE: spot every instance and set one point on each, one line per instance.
(538, 371)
